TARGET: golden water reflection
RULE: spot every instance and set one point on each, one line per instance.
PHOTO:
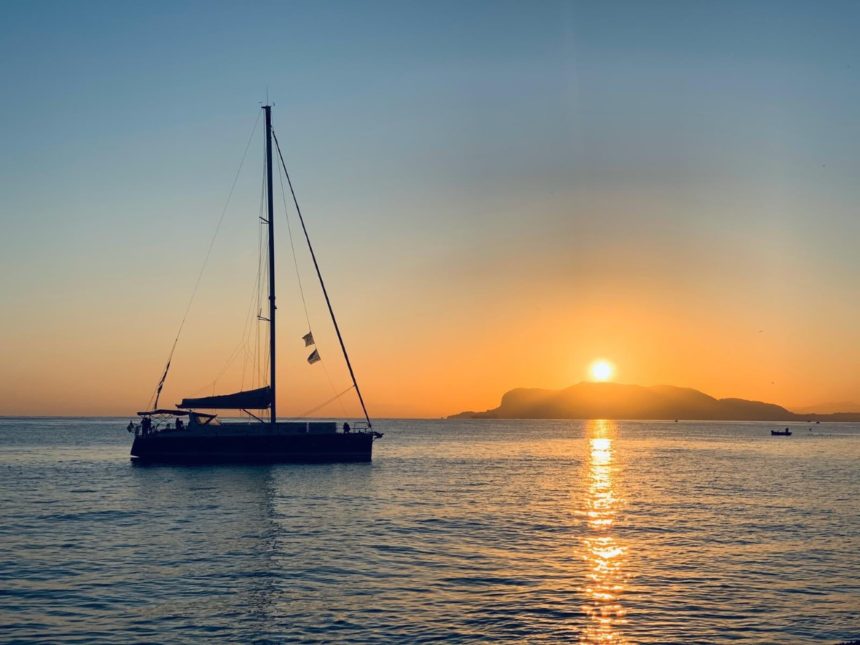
(604, 554)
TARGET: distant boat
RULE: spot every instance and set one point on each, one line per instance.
(781, 433)
(163, 436)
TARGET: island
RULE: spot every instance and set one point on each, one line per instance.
(590, 400)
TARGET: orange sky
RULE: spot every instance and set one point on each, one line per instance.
(443, 330)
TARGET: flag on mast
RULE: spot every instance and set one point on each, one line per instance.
(314, 357)
(309, 339)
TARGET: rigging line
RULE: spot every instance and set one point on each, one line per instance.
(253, 331)
(322, 283)
(237, 350)
(252, 354)
(249, 355)
(251, 321)
(293, 248)
(241, 347)
(205, 262)
(264, 294)
(299, 280)
(322, 405)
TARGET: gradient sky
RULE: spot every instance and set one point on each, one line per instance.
(499, 193)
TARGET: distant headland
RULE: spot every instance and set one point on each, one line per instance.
(589, 400)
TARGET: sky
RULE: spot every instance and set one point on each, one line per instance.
(498, 192)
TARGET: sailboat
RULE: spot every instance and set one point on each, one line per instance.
(190, 434)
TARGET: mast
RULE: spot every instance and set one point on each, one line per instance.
(271, 222)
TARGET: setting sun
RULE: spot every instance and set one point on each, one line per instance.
(601, 370)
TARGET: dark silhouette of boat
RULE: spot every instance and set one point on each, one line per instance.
(205, 440)
(189, 435)
(781, 433)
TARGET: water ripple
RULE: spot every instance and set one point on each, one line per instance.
(464, 531)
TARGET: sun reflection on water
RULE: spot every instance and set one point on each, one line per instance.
(603, 553)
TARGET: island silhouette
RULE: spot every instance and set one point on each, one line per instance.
(590, 400)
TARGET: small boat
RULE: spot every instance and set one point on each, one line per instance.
(189, 435)
(781, 433)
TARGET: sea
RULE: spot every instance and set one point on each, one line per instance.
(459, 530)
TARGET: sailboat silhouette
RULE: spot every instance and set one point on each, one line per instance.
(205, 440)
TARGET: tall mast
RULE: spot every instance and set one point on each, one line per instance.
(271, 222)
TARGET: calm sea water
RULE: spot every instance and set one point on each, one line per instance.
(460, 530)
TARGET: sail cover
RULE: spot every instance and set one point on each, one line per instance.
(247, 400)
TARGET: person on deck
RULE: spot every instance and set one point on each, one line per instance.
(346, 428)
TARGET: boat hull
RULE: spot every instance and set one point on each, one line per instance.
(258, 448)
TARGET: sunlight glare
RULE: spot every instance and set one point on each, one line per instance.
(602, 370)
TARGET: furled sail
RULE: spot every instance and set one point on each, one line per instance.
(247, 400)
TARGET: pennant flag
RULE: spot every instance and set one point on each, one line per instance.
(309, 339)
(314, 357)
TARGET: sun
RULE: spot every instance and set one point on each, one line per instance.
(601, 370)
